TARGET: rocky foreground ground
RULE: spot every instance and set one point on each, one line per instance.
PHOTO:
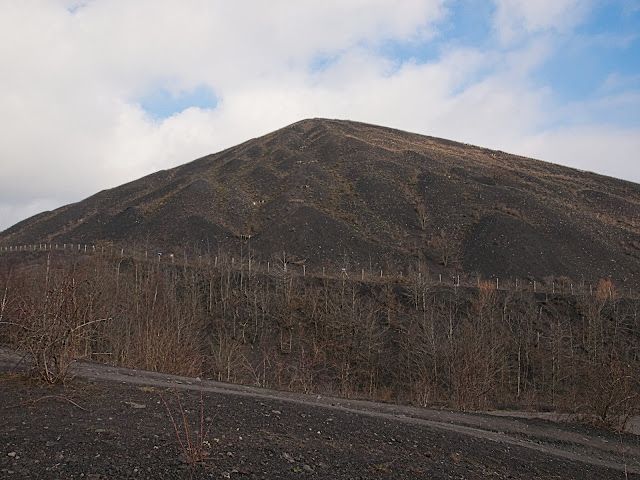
(112, 423)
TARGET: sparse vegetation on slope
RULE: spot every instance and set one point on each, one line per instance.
(330, 191)
(409, 340)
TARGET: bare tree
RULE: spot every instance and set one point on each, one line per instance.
(423, 216)
(448, 245)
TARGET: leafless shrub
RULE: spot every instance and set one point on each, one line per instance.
(448, 246)
(56, 329)
(514, 212)
(194, 445)
(413, 340)
(611, 394)
(423, 216)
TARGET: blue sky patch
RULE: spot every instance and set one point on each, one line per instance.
(320, 63)
(74, 8)
(161, 103)
(607, 44)
(467, 24)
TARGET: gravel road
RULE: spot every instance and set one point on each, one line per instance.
(112, 422)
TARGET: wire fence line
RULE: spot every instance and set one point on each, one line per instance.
(417, 275)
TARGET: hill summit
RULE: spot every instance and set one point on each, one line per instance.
(351, 195)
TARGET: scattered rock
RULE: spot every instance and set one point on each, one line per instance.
(350, 445)
(288, 457)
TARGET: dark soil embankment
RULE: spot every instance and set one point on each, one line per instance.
(111, 423)
(339, 193)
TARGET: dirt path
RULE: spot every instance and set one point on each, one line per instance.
(563, 441)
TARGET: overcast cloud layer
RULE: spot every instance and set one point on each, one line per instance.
(97, 93)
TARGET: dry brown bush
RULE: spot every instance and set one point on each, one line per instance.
(412, 341)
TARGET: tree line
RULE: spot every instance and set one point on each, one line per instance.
(412, 341)
(452, 276)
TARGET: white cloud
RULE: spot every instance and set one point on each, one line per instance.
(516, 19)
(616, 82)
(610, 152)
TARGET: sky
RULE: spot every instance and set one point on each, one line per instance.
(97, 93)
